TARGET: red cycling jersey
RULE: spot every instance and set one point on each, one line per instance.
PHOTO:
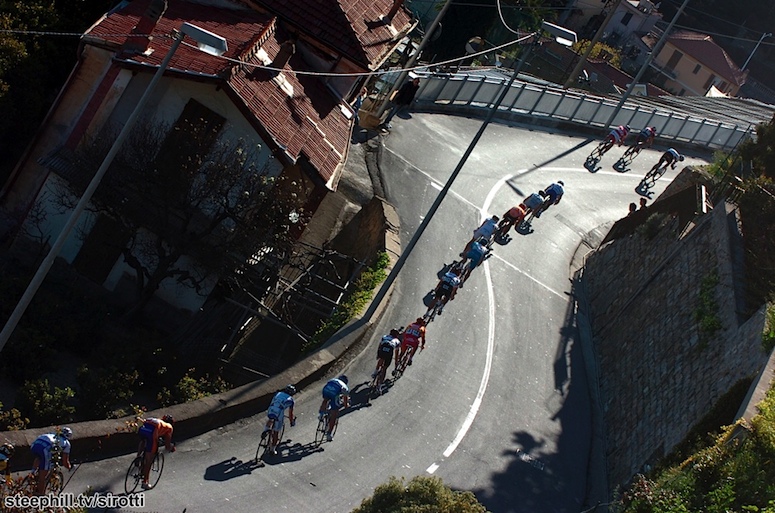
(412, 336)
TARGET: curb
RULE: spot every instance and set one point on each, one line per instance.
(99, 439)
(597, 491)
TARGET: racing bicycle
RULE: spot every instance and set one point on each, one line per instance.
(134, 474)
(263, 444)
(655, 173)
(320, 431)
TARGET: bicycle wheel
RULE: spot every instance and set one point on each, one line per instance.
(134, 475)
(28, 485)
(320, 432)
(157, 467)
(263, 446)
(55, 482)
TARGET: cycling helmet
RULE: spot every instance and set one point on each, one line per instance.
(654, 129)
(290, 390)
(495, 218)
(343, 379)
(561, 182)
(7, 450)
(394, 333)
(67, 433)
(627, 127)
(681, 158)
(168, 419)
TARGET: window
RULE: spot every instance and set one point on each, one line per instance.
(670, 66)
(626, 18)
(723, 86)
(709, 82)
(697, 69)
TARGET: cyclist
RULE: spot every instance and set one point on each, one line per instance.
(475, 256)
(386, 352)
(646, 137)
(514, 216)
(447, 288)
(485, 231)
(6, 453)
(670, 157)
(617, 136)
(533, 202)
(335, 396)
(414, 334)
(553, 195)
(41, 449)
(150, 432)
(281, 401)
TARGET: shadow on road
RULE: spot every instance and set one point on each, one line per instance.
(544, 476)
(229, 469)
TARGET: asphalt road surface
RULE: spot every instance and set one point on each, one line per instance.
(498, 402)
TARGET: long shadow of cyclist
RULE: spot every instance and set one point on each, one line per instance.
(229, 469)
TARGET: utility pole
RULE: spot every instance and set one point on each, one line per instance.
(766, 34)
(413, 58)
(576, 70)
(654, 52)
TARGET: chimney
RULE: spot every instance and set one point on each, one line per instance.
(145, 26)
(393, 10)
(287, 49)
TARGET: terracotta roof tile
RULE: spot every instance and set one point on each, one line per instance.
(308, 124)
(353, 27)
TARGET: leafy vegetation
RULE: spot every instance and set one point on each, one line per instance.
(190, 388)
(362, 292)
(768, 337)
(599, 51)
(12, 420)
(422, 494)
(706, 313)
(736, 473)
(45, 404)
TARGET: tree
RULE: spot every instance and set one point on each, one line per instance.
(186, 194)
(599, 51)
(421, 494)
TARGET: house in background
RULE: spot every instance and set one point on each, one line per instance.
(301, 122)
(631, 18)
(691, 64)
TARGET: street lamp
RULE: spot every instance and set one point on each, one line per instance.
(766, 34)
(207, 42)
(562, 36)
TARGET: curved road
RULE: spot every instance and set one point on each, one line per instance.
(497, 403)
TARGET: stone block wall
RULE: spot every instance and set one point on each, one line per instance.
(656, 377)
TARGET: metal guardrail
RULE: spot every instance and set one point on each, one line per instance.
(584, 109)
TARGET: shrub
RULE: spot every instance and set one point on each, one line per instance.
(651, 227)
(12, 420)
(421, 494)
(102, 389)
(706, 313)
(44, 405)
(361, 294)
(768, 337)
(190, 388)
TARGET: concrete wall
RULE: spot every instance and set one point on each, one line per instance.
(656, 376)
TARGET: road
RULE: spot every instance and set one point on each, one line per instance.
(497, 403)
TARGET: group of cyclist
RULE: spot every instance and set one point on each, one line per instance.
(644, 139)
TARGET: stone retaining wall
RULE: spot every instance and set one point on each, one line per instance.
(656, 376)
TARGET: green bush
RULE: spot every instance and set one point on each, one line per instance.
(102, 389)
(362, 292)
(12, 420)
(422, 494)
(190, 388)
(44, 405)
(650, 228)
(735, 473)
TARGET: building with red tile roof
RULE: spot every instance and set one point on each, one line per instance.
(267, 90)
(691, 63)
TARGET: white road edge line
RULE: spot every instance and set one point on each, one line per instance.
(487, 366)
(433, 468)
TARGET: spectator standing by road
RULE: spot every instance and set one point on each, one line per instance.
(404, 97)
(357, 103)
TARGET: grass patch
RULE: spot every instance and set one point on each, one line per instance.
(362, 292)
